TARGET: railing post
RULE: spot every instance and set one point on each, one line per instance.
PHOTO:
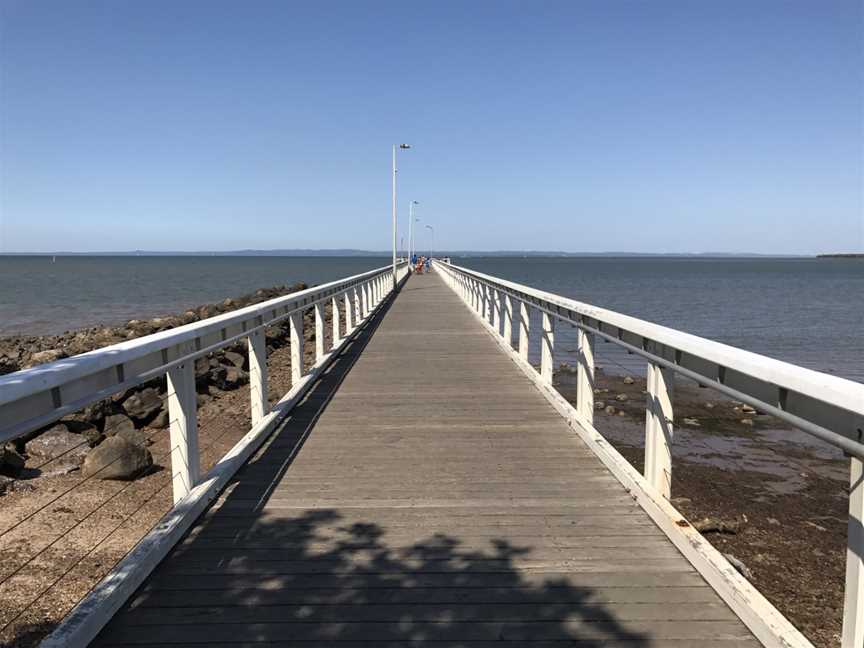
(364, 300)
(256, 343)
(658, 429)
(496, 311)
(356, 312)
(183, 414)
(585, 375)
(853, 605)
(334, 320)
(524, 330)
(508, 321)
(346, 297)
(487, 304)
(296, 327)
(319, 331)
(547, 348)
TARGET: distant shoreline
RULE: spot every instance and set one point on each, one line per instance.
(851, 255)
(453, 254)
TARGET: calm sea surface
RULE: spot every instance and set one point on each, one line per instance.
(806, 311)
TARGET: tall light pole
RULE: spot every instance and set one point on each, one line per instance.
(411, 230)
(431, 239)
(395, 148)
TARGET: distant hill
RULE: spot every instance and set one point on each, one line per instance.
(850, 255)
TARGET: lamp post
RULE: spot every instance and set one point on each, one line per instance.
(431, 240)
(411, 230)
(395, 148)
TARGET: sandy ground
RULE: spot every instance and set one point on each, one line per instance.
(785, 491)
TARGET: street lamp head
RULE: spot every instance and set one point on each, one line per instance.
(404, 146)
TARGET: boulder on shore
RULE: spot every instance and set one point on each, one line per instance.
(117, 458)
(143, 404)
(117, 423)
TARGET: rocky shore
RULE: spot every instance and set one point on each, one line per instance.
(772, 499)
(107, 440)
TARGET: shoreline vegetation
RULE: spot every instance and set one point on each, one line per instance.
(769, 498)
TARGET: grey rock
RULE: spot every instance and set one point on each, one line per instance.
(692, 422)
(117, 423)
(628, 380)
(740, 566)
(609, 409)
(58, 441)
(144, 404)
(621, 398)
(599, 405)
(117, 458)
(234, 377)
(90, 432)
(134, 436)
(49, 355)
(11, 461)
(5, 483)
(161, 421)
(748, 422)
(235, 359)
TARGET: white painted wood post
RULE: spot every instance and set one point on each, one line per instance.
(348, 309)
(585, 375)
(496, 311)
(853, 605)
(296, 327)
(508, 321)
(547, 349)
(260, 405)
(364, 300)
(357, 316)
(319, 331)
(183, 414)
(334, 320)
(658, 429)
(524, 330)
(487, 311)
(475, 296)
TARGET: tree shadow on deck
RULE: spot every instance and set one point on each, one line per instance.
(321, 577)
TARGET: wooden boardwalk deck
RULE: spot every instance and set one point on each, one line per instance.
(425, 493)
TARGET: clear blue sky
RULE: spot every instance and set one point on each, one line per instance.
(579, 126)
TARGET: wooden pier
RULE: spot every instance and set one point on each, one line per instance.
(425, 493)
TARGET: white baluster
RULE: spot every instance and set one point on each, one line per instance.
(183, 414)
(547, 349)
(853, 605)
(585, 375)
(296, 326)
(658, 429)
(257, 346)
(524, 330)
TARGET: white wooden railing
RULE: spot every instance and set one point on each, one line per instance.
(829, 408)
(36, 397)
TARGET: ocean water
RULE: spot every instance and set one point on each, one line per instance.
(806, 311)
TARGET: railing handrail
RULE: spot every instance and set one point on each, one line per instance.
(108, 363)
(832, 392)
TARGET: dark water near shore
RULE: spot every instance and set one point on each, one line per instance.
(806, 311)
